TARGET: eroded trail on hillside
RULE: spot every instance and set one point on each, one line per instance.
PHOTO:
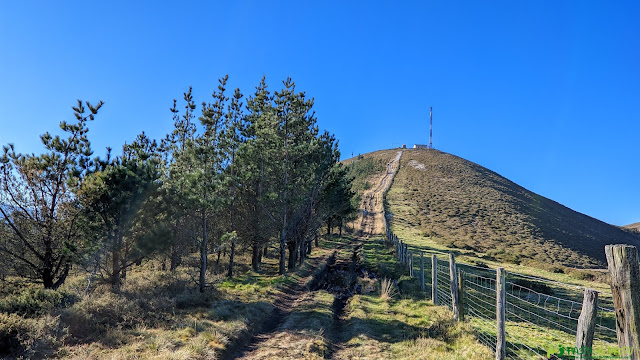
(372, 221)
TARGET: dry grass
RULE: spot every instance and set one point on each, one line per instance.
(157, 314)
(456, 204)
(388, 290)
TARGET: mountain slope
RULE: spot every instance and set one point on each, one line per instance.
(634, 226)
(460, 204)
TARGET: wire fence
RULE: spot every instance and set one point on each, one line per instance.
(541, 316)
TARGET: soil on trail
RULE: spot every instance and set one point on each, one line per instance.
(284, 304)
(372, 222)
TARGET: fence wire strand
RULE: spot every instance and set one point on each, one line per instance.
(540, 314)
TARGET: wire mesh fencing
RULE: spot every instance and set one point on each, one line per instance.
(541, 316)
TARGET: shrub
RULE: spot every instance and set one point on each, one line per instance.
(94, 315)
(29, 338)
(32, 302)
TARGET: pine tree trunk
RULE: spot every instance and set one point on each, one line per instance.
(231, 256)
(303, 251)
(292, 254)
(47, 269)
(115, 263)
(123, 274)
(255, 258)
(283, 237)
(203, 251)
(175, 257)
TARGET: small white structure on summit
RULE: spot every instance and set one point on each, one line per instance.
(418, 146)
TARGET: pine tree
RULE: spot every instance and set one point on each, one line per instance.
(177, 166)
(122, 191)
(258, 195)
(231, 142)
(206, 176)
(37, 203)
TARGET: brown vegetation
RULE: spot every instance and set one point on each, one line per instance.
(462, 205)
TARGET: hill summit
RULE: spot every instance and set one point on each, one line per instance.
(460, 204)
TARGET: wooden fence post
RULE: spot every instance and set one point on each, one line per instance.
(455, 296)
(460, 295)
(586, 324)
(422, 270)
(501, 291)
(396, 245)
(410, 263)
(434, 279)
(623, 266)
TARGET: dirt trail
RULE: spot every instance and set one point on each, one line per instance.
(284, 304)
(372, 222)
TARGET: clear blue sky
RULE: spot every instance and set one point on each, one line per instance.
(546, 93)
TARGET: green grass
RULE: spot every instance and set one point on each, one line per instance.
(405, 327)
(363, 167)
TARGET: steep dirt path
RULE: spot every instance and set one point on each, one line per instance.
(372, 215)
(284, 304)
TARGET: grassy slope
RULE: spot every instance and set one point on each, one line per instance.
(365, 167)
(634, 226)
(405, 326)
(451, 202)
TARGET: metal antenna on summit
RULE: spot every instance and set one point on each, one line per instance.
(431, 127)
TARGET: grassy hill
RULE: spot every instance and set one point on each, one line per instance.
(633, 227)
(458, 204)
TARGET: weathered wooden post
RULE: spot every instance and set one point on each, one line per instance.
(422, 270)
(460, 295)
(586, 324)
(395, 242)
(410, 263)
(622, 261)
(455, 296)
(434, 279)
(501, 291)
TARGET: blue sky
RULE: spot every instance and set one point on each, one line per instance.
(546, 93)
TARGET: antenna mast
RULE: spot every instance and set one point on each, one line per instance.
(431, 127)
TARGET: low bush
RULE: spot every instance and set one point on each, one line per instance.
(29, 338)
(31, 302)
